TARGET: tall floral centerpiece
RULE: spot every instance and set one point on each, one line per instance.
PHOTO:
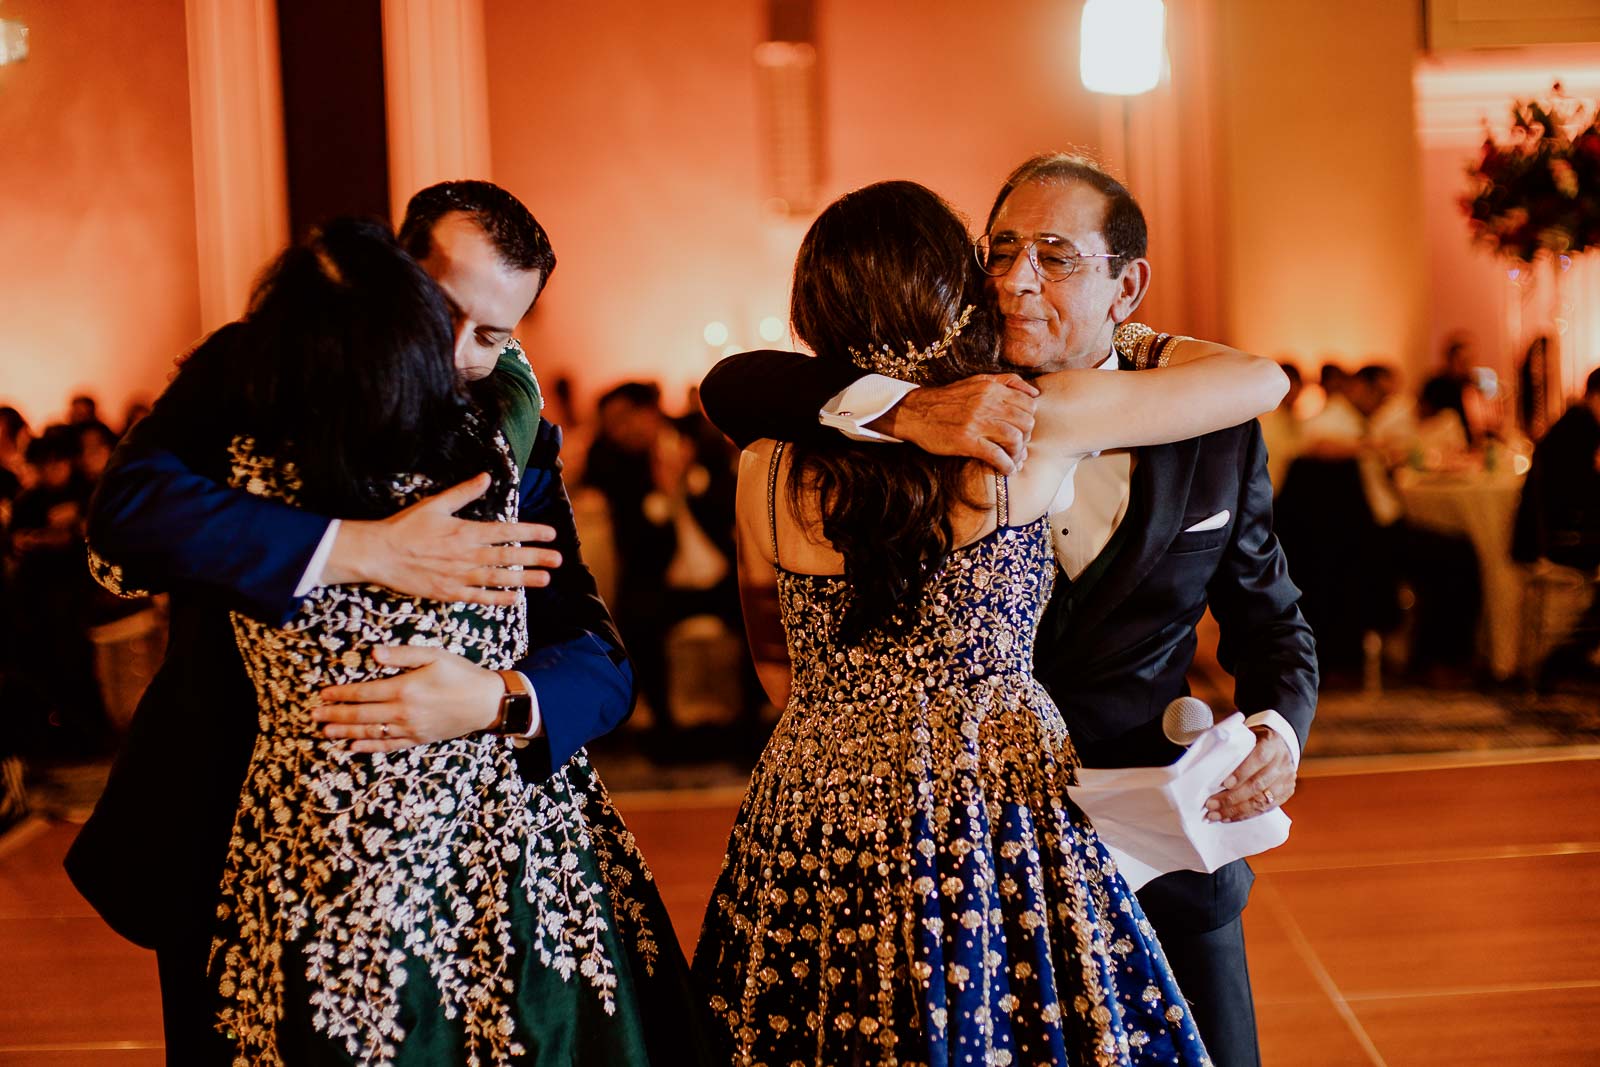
(1536, 197)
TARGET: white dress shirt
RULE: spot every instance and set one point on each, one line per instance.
(1091, 503)
(862, 401)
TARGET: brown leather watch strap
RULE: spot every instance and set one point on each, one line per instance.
(514, 683)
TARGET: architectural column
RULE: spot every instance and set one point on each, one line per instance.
(1162, 144)
(236, 111)
(437, 92)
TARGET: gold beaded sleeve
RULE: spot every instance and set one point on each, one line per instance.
(111, 577)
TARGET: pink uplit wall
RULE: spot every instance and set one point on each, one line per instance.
(1293, 210)
(633, 132)
(1322, 196)
(98, 270)
(1468, 287)
(630, 131)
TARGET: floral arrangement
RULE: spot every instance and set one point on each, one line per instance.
(1540, 190)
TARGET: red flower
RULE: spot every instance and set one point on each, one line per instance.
(1539, 191)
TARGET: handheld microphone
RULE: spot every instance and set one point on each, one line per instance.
(1186, 719)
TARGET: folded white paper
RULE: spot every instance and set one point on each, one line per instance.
(1153, 819)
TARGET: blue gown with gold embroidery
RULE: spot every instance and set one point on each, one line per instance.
(907, 881)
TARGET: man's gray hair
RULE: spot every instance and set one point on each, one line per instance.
(1124, 226)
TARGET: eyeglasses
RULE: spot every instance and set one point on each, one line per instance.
(1053, 259)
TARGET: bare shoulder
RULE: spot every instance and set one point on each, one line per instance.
(757, 452)
(750, 494)
(1034, 488)
(755, 461)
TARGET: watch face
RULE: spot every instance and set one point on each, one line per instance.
(516, 713)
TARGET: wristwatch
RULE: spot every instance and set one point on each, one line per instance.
(515, 717)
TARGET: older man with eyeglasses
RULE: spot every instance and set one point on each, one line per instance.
(1152, 538)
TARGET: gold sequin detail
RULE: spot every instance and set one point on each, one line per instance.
(907, 878)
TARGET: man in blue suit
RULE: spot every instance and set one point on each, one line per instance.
(150, 857)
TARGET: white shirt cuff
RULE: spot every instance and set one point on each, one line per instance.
(536, 727)
(1280, 726)
(861, 402)
(319, 561)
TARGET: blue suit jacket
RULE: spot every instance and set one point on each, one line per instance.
(150, 857)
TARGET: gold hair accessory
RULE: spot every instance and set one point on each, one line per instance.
(329, 268)
(912, 366)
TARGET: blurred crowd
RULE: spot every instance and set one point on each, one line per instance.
(654, 495)
(664, 490)
(1343, 450)
(52, 700)
(1455, 419)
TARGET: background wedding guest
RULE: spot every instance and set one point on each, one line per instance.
(1559, 519)
(95, 445)
(85, 411)
(668, 485)
(621, 464)
(136, 410)
(1457, 388)
(55, 687)
(51, 680)
(1439, 429)
(1331, 379)
(1280, 428)
(1393, 422)
(14, 438)
(1320, 523)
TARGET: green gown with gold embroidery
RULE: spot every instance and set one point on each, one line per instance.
(430, 906)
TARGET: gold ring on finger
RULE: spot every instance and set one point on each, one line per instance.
(1267, 793)
(383, 731)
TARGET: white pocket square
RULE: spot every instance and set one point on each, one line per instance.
(1215, 522)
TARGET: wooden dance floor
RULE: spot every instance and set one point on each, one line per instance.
(1423, 912)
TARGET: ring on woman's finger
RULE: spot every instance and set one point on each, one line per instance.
(383, 731)
(1267, 794)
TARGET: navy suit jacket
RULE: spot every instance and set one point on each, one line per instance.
(151, 855)
(1114, 653)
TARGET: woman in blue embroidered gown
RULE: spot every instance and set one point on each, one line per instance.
(907, 881)
(428, 906)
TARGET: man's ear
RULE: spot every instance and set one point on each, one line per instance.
(1132, 284)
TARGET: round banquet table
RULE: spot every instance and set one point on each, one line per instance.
(1482, 505)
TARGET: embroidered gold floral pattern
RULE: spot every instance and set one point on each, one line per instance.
(907, 881)
(514, 346)
(368, 864)
(112, 579)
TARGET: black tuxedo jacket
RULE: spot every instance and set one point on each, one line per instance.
(1115, 651)
(151, 856)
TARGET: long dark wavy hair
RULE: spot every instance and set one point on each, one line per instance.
(344, 365)
(888, 264)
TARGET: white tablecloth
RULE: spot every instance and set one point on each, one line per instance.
(1483, 506)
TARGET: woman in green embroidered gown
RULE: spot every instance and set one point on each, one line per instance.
(431, 905)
